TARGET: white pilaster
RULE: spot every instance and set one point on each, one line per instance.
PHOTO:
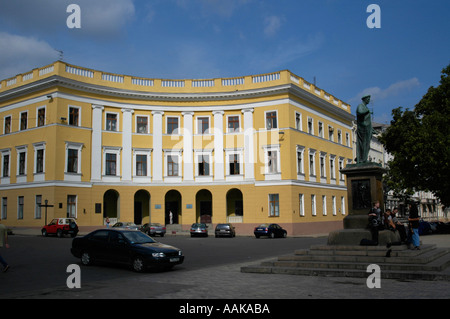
(127, 157)
(188, 146)
(218, 146)
(96, 158)
(157, 146)
(249, 160)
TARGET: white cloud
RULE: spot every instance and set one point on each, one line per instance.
(272, 25)
(393, 90)
(21, 54)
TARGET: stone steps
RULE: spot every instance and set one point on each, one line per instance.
(428, 263)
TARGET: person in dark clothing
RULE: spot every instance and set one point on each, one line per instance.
(398, 225)
(413, 219)
(375, 222)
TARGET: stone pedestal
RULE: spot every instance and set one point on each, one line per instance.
(364, 187)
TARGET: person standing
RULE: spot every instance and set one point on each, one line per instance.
(375, 221)
(413, 219)
(3, 242)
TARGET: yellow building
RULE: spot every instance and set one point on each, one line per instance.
(245, 150)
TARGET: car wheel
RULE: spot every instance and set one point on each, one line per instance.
(59, 233)
(86, 258)
(272, 235)
(44, 233)
(138, 264)
(284, 235)
(257, 236)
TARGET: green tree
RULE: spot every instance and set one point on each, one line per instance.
(419, 141)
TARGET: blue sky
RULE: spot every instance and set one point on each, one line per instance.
(325, 40)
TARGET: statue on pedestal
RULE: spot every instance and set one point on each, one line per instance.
(364, 130)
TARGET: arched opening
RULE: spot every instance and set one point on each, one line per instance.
(235, 206)
(141, 207)
(203, 204)
(173, 207)
(111, 206)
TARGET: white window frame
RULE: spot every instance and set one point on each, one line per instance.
(79, 115)
(37, 115)
(323, 167)
(116, 151)
(274, 175)
(239, 129)
(76, 206)
(310, 120)
(333, 203)
(265, 120)
(4, 207)
(73, 176)
(298, 126)
(117, 123)
(332, 167)
(231, 152)
(5, 179)
(145, 152)
(37, 208)
(21, 149)
(320, 128)
(10, 124)
(313, 205)
(343, 205)
(324, 205)
(39, 176)
(20, 213)
(301, 204)
(208, 153)
(312, 168)
(276, 209)
(136, 124)
(179, 155)
(300, 170)
(177, 131)
(197, 123)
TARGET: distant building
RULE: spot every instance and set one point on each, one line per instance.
(246, 150)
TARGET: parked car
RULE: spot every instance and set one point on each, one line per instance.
(270, 230)
(153, 229)
(126, 225)
(124, 246)
(199, 229)
(225, 230)
(60, 227)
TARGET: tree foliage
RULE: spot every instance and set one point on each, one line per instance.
(419, 141)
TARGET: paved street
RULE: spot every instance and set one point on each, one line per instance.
(215, 278)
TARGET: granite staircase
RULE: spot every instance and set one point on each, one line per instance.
(395, 262)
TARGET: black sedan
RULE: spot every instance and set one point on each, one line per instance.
(270, 230)
(125, 247)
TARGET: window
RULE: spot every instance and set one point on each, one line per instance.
(324, 205)
(333, 203)
(310, 126)
(37, 207)
(274, 205)
(141, 165)
(332, 166)
(233, 124)
(203, 165)
(22, 163)
(342, 205)
(331, 133)
(339, 137)
(40, 161)
(234, 164)
(203, 125)
(74, 115)
(323, 172)
(111, 122)
(301, 205)
(172, 165)
(312, 164)
(20, 205)
(313, 205)
(23, 121)
(272, 161)
(4, 207)
(7, 128)
(271, 120)
(142, 124)
(172, 125)
(5, 168)
(111, 164)
(72, 160)
(347, 139)
(41, 117)
(298, 121)
(300, 169)
(72, 206)
(320, 129)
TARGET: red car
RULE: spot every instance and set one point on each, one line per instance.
(61, 227)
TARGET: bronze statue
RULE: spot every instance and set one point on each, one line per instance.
(364, 130)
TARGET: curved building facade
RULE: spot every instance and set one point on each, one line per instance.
(246, 150)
